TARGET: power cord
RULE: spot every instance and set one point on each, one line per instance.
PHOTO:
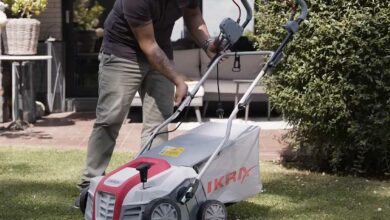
(239, 11)
(177, 126)
(220, 111)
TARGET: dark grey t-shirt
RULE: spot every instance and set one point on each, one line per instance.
(118, 37)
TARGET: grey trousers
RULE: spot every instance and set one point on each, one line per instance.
(119, 80)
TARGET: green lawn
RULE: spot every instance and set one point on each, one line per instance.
(40, 184)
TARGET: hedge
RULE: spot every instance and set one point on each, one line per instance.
(333, 84)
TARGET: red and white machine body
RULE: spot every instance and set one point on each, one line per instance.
(231, 177)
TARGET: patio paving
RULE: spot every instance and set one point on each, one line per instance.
(72, 130)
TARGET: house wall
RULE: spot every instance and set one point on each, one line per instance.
(51, 20)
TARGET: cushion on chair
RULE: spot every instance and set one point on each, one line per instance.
(187, 62)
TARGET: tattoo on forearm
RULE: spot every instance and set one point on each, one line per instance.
(162, 60)
(161, 63)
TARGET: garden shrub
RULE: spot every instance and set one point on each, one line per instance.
(333, 84)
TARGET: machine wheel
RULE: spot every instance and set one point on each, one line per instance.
(163, 208)
(83, 199)
(212, 210)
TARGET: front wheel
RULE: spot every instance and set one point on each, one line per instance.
(212, 210)
(163, 208)
(83, 199)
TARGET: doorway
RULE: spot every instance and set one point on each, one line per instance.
(82, 49)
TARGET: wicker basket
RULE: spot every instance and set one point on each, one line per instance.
(21, 36)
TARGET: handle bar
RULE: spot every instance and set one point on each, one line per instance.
(248, 13)
(304, 10)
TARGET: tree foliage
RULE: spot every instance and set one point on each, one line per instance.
(334, 82)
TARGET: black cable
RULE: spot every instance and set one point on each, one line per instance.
(239, 11)
(167, 132)
(220, 110)
(293, 9)
(219, 92)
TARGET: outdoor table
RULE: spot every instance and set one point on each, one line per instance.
(19, 61)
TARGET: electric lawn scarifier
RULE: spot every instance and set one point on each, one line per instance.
(193, 175)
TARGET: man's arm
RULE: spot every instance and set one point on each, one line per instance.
(157, 58)
(198, 30)
(196, 25)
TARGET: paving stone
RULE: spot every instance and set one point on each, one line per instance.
(72, 130)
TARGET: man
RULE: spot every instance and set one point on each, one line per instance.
(137, 56)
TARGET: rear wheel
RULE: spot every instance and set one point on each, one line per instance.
(162, 209)
(212, 210)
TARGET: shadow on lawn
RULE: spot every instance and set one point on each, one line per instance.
(55, 122)
(248, 210)
(332, 197)
(25, 134)
(34, 200)
(20, 168)
(67, 120)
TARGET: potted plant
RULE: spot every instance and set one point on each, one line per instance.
(21, 33)
(3, 16)
(86, 19)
